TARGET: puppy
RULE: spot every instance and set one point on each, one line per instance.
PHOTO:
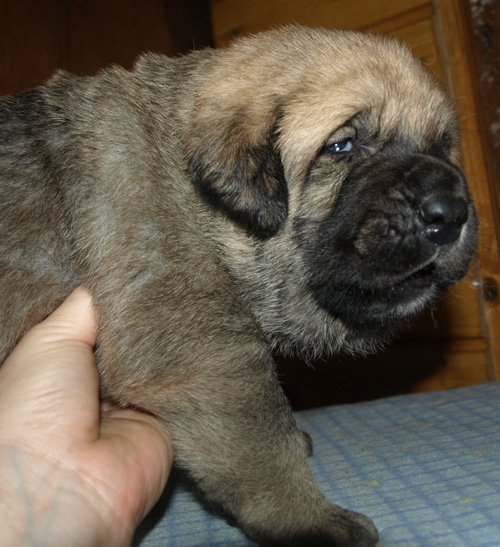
(298, 190)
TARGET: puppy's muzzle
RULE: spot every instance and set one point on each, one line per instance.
(404, 228)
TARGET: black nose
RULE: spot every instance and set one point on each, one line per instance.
(442, 218)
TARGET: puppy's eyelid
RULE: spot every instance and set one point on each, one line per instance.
(342, 133)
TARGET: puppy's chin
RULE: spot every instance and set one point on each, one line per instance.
(378, 310)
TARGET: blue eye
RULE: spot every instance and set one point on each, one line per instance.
(341, 147)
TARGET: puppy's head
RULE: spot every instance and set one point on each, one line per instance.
(345, 142)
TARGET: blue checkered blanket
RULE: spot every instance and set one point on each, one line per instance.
(424, 467)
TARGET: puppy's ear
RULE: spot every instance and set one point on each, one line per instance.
(243, 179)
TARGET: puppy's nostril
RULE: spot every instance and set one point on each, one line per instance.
(443, 218)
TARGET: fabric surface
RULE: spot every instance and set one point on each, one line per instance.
(424, 467)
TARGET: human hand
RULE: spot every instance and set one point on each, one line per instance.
(73, 471)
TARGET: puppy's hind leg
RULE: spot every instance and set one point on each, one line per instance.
(248, 454)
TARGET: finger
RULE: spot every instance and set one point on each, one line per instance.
(140, 456)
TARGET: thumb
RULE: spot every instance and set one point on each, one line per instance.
(72, 321)
(52, 367)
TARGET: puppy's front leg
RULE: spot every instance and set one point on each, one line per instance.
(214, 386)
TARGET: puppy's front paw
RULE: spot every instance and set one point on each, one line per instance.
(349, 529)
(337, 527)
(343, 529)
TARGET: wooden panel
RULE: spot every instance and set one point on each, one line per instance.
(466, 363)
(30, 43)
(232, 18)
(454, 32)
(98, 33)
(101, 32)
(484, 23)
(84, 35)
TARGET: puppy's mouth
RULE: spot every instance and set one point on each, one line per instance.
(399, 285)
(377, 308)
(420, 279)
